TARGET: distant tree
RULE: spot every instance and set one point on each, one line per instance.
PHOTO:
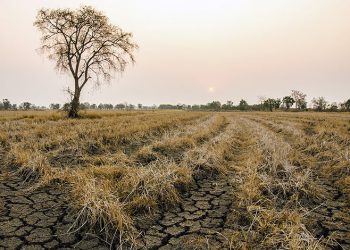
(300, 99)
(139, 106)
(82, 106)
(320, 103)
(120, 106)
(26, 106)
(131, 107)
(93, 106)
(277, 103)
(228, 105)
(66, 107)
(215, 105)
(6, 103)
(347, 105)
(108, 106)
(243, 105)
(14, 106)
(333, 107)
(288, 102)
(84, 43)
(168, 106)
(303, 106)
(54, 106)
(257, 107)
(180, 106)
(270, 104)
(85, 105)
(195, 107)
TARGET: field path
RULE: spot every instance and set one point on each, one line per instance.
(197, 223)
(38, 219)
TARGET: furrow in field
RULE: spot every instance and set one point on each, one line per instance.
(268, 188)
(74, 143)
(201, 216)
(116, 195)
(328, 218)
(173, 146)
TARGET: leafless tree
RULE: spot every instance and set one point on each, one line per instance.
(299, 98)
(84, 43)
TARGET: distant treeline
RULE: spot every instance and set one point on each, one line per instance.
(296, 102)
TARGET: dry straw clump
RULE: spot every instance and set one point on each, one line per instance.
(111, 195)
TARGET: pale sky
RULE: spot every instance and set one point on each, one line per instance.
(193, 51)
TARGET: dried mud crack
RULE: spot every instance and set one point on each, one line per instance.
(330, 217)
(42, 219)
(39, 219)
(197, 223)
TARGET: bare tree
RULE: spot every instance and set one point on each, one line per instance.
(84, 43)
(299, 98)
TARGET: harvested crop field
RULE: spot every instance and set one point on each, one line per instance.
(175, 180)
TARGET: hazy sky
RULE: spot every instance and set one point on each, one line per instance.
(193, 51)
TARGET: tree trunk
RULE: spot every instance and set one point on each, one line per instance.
(74, 106)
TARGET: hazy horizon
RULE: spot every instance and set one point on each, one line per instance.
(193, 52)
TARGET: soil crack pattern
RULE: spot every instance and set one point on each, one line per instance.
(39, 219)
(198, 222)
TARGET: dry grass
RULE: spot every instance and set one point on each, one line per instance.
(119, 165)
(95, 157)
(269, 187)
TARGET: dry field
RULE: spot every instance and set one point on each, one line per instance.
(175, 180)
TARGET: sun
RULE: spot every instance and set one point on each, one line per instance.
(211, 89)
